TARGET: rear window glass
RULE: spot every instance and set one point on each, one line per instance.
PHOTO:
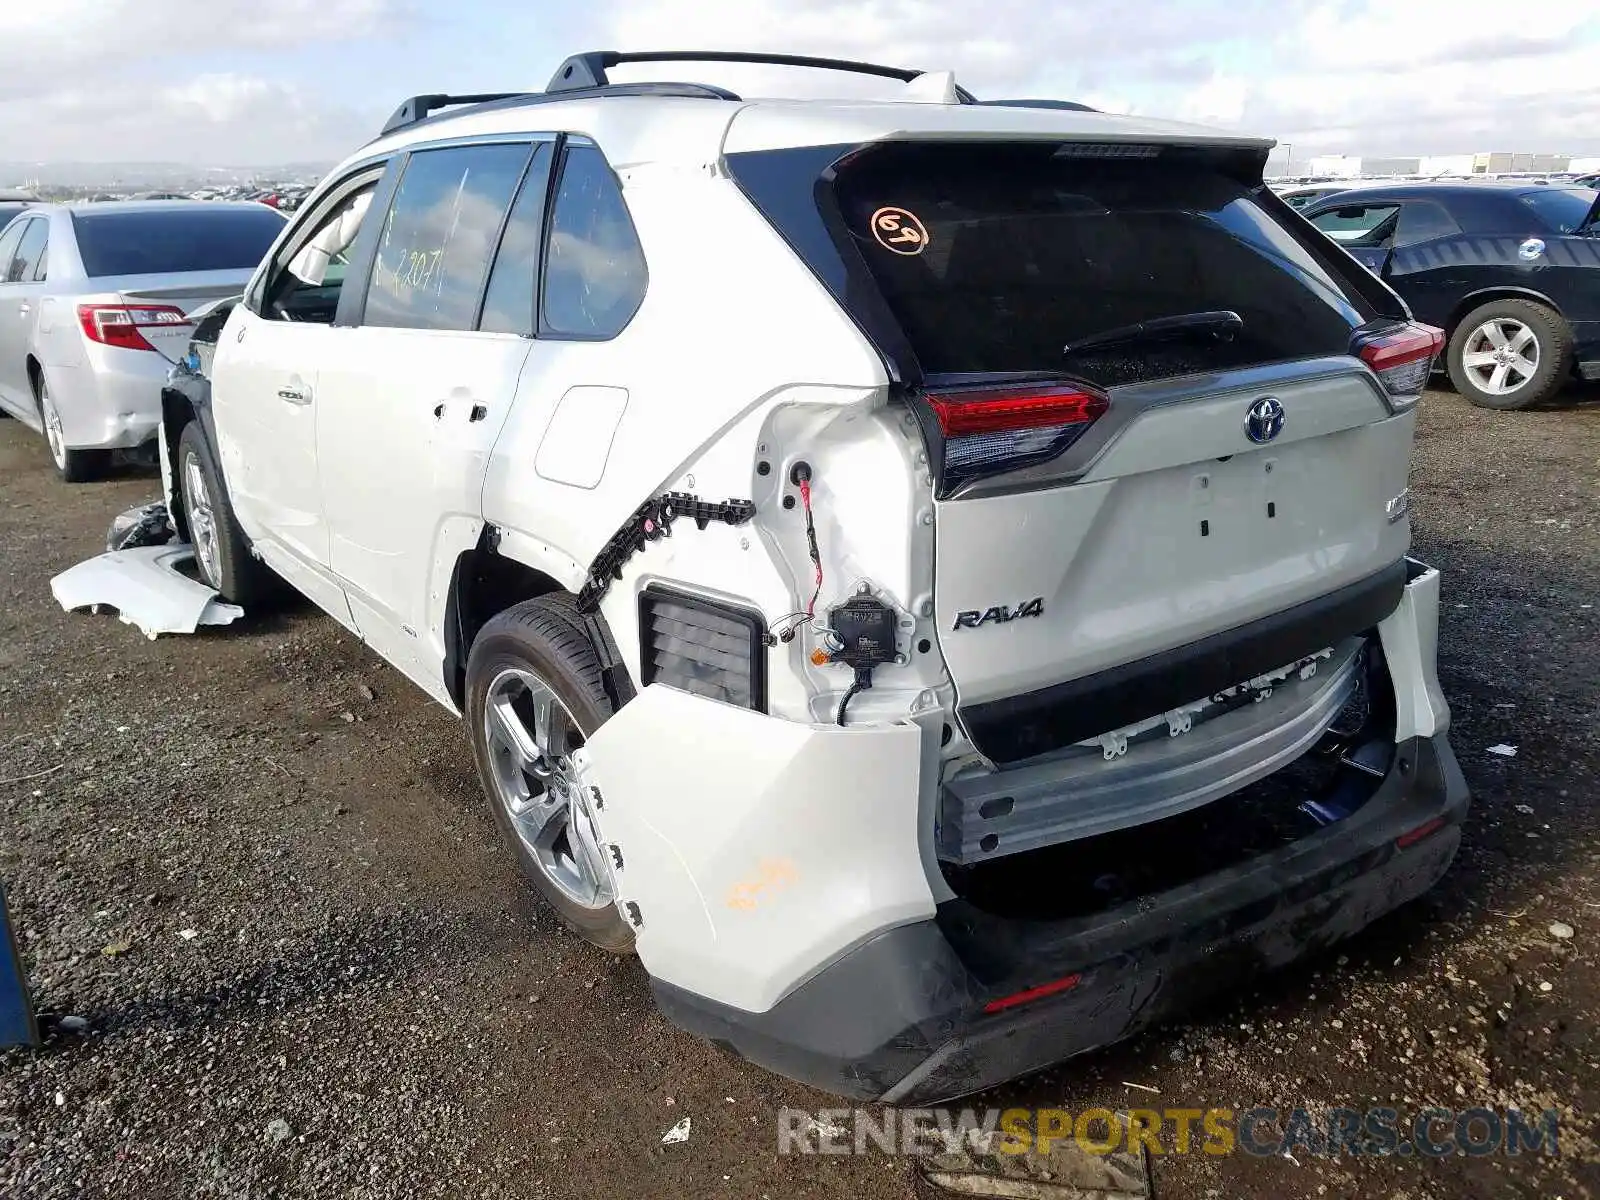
(993, 259)
(174, 240)
(1562, 209)
(435, 247)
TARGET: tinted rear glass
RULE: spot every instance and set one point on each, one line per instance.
(1562, 209)
(171, 241)
(994, 258)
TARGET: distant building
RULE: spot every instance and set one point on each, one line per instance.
(1505, 162)
(1350, 166)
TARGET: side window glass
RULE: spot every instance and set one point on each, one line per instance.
(1358, 225)
(8, 248)
(1423, 221)
(439, 235)
(29, 250)
(594, 271)
(308, 288)
(41, 266)
(508, 300)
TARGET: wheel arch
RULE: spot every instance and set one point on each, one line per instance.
(1489, 295)
(484, 582)
(177, 411)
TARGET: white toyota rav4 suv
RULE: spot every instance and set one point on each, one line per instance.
(929, 576)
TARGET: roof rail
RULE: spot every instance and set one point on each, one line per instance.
(425, 108)
(418, 108)
(588, 70)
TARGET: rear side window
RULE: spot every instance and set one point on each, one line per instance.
(995, 258)
(22, 253)
(1359, 224)
(9, 240)
(508, 300)
(439, 235)
(30, 264)
(175, 240)
(1424, 221)
(594, 273)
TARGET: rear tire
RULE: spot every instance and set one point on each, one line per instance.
(536, 657)
(74, 466)
(1509, 354)
(222, 553)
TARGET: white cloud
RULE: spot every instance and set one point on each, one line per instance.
(131, 80)
(83, 79)
(1356, 75)
(213, 119)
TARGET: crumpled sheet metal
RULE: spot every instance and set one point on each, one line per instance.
(145, 587)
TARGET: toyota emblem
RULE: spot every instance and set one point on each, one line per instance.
(1265, 420)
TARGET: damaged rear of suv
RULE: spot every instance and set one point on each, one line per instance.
(1191, 724)
(1036, 644)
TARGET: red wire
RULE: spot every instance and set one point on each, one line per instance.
(811, 545)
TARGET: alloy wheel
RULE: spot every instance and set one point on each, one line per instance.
(531, 735)
(202, 519)
(1501, 356)
(53, 433)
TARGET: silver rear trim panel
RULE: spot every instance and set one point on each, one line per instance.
(1079, 793)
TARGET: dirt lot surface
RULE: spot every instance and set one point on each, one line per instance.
(257, 862)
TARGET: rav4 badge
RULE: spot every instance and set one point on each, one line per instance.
(999, 614)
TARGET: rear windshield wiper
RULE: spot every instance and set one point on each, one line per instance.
(1222, 325)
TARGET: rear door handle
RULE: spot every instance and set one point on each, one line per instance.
(293, 395)
(24, 309)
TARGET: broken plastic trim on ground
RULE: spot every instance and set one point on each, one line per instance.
(146, 576)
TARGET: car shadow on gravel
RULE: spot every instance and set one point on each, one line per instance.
(326, 966)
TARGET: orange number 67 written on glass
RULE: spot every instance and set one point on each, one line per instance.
(899, 230)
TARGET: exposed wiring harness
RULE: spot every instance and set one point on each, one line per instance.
(785, 627)
(863, 681)
(802, 476)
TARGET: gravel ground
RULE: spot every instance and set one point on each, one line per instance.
(257, 862)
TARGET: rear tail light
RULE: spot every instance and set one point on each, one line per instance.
(1402, 359)
(119, 324)
(989, 430)
(702, 646)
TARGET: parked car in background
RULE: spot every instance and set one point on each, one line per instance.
(93, 310)
(1300, 197)
(12, 203)
(1510, 272)
(1073, 481)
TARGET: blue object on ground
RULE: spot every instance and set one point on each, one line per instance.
(17, 1024)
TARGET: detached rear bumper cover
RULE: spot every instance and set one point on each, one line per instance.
(900, 1019)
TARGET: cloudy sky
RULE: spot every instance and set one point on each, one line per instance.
(244, 82)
